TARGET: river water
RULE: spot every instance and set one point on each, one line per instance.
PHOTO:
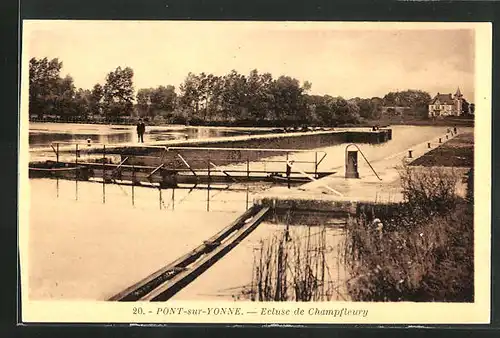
(84, 237)
(222, 197)
(43, 134)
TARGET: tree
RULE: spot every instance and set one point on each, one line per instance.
(64, 98)
(119, 93)
(190, 94)
(320, 109)
(144, 101)
(288, 98)
(163, 99)
(306, 86)
(345, 111)
(377, 103)
(83, 103)
(266, 97)
(44, 79)
(214, 98)
(465, 107)
(96, 97)
(156, 101)
(417, 100)
(236, 97)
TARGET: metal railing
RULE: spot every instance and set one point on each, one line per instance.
(209, 168)
(319, 156)
(317, 161)
(291, 164)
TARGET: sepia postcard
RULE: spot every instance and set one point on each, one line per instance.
(255, 172)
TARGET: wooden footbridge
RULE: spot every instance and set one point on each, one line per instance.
(167, 167)
(166, 282)
(164, 167)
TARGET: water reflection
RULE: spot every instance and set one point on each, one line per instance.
(38, 140)
(217, 198)
(43, 135)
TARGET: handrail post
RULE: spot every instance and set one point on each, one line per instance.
(57, 153)
(247, 200)
(160, 200)
(133, 184)
(286, 168)
(322, 158)
(173, 198)
(316, 164)
(104, 173)
(76, 172)
(248, 168)
(345, 157)
(208, 187)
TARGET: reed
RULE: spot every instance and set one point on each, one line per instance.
(424, 250)
(295, 264)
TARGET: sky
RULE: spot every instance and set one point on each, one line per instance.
(348, 60)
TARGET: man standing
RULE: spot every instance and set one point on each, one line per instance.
(141, 129)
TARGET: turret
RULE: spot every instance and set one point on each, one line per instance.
(458, 101)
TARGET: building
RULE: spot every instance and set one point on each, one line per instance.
(392, 111)
(446, 105)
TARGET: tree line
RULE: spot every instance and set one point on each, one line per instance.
(234, 98)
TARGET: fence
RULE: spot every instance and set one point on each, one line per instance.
(238, 170)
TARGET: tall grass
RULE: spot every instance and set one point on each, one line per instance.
(295, 265)
(429, 191)
(423, 252)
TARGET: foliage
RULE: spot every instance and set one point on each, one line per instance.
(292, 266)
(470, 186)
(417, 100)
(430, 190)
(46, 86)
(231, 99)
(156, 101)
(235, 97)
(118, 93)
(51, 94)
(95, 102)
(422, 252)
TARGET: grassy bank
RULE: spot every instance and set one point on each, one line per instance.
(457, 152)
(422, 252)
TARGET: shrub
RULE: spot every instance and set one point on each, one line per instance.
(423, 252)
(470, 186)
(429, 190)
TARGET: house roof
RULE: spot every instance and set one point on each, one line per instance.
(443, 99)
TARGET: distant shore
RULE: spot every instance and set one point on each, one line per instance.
(464, 122)
(447, 122)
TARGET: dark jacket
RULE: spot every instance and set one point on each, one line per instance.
(141, 128)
